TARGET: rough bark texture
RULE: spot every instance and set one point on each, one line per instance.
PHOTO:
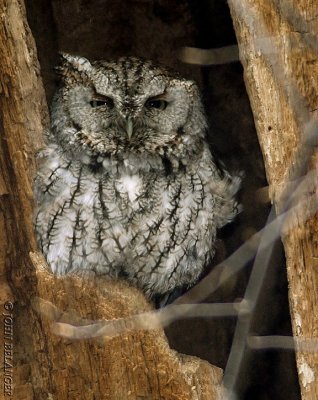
(138, 364)
(132, 365)
(279, 55)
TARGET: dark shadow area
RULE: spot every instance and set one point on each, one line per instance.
(158, 29)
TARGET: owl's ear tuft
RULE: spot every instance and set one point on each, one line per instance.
(73, 63)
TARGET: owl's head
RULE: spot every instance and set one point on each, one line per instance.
(111, 108)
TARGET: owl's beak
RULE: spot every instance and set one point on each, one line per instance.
(129, 127)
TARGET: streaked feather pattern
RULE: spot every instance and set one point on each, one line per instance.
(124, 190)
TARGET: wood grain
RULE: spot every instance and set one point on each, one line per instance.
(278, 49)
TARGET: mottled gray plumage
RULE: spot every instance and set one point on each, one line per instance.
(127, 186)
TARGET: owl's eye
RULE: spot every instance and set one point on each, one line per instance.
(102, 102)
(156, 103)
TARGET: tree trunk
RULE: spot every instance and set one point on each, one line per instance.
(39, 364)
(278, 49)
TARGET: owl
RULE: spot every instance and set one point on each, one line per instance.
(126, 186)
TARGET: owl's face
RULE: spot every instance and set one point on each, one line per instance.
(130, 105)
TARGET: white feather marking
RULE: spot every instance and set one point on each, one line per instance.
(130, 185)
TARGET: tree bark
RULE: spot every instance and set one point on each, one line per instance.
(38, 363)
(278, 50)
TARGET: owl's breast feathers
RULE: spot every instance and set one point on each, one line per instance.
(157, 229)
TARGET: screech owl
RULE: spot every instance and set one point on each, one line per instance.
(127, 186)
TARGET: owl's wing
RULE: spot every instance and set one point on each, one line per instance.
(224, 191)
